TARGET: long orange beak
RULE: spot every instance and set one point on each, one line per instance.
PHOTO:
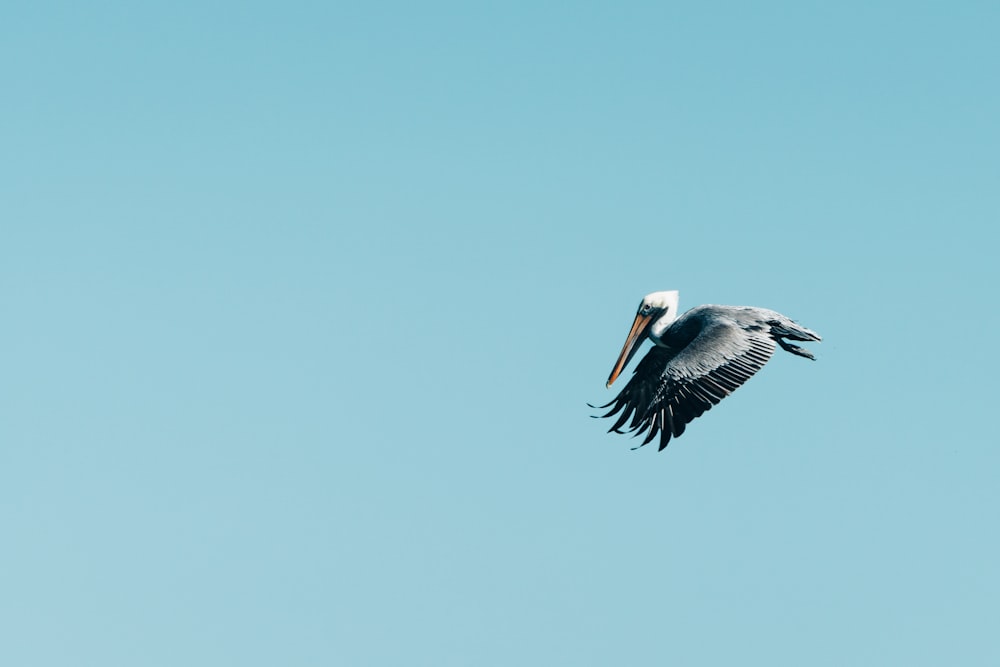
(631, 345)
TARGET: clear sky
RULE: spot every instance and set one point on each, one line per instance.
(302, 304)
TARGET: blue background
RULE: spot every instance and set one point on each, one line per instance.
(302, 305)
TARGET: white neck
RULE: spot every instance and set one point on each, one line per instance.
(668, 301)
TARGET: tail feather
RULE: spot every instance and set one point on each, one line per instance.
(792, 330)
(795, 349)
(782, 329)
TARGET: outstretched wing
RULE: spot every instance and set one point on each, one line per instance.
(672, 386)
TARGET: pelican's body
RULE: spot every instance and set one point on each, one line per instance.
(697, 360)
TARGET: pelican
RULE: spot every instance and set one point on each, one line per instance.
(697, 360)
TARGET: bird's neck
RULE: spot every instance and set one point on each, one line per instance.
(659, 327)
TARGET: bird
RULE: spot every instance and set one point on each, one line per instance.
(696, 360)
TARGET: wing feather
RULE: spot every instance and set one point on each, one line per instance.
(672, 386)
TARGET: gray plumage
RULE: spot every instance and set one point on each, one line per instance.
(698, 359)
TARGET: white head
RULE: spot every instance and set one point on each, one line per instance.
(656, 311)
(660, 303)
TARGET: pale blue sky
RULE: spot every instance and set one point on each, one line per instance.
(303, 304)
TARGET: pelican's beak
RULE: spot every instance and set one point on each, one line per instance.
(631, 345)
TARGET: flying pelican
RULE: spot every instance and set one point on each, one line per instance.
(697, 360)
